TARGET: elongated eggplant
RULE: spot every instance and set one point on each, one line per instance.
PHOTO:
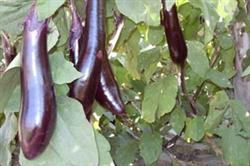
(38, 103)
(177, 46)
(176, 42)
(90, 61)
(9, 51)
(108, 93)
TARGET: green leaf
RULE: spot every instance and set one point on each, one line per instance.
(177, 120)
(132, 51)
(197, 58)
(217, 108)
(218, 78)
(246, 72)
(110, 8)
(79, 6)
(210, 15)
(121, 74)
(148, 63)
(167, 96)
(236, 150)
(52, 36)
(47, 8)
(62, 70)
(8, 81)
(62, 21)
(13, 13)
(123, 149)
(242, 115)
(150, 147)
(226, 41)
(127, 31)
(73, 140)
(193, 81)
(155, 35)
(141, 10)
(208, 34)
(61, 89)
(228, 57)
(104, 148)
(226, 10)
(8, 132)
(190, 22)
(195, 128)
(181, 2)
(14, 101)
(159, 98)
(219, 101)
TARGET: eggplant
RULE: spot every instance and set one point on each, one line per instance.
(177, 46)
(108, 93)
(9, 50)
(90, 60)
(38, 103)
(176, 42)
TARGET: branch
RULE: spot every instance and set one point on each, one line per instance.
(15, 153)
(119, 24)
(214, 146)
(198, 91)
(184, 91)
(215, 56)
(131, 127)
(214, 59)
(163, 4)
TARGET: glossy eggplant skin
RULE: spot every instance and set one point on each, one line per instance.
(9, 51)
(38, 103)
(108, 93)
(90, 61)
(176, 42)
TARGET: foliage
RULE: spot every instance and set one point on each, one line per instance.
(73, 129)
(149, 82)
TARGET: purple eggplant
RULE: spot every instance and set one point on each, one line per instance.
(9, 50)
(108, 93)
(176, 42)
(90, 60)
(38, 103)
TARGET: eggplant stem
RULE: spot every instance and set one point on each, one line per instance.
(119, 24)
(184, 91)
(163, 4)
(130, 125)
